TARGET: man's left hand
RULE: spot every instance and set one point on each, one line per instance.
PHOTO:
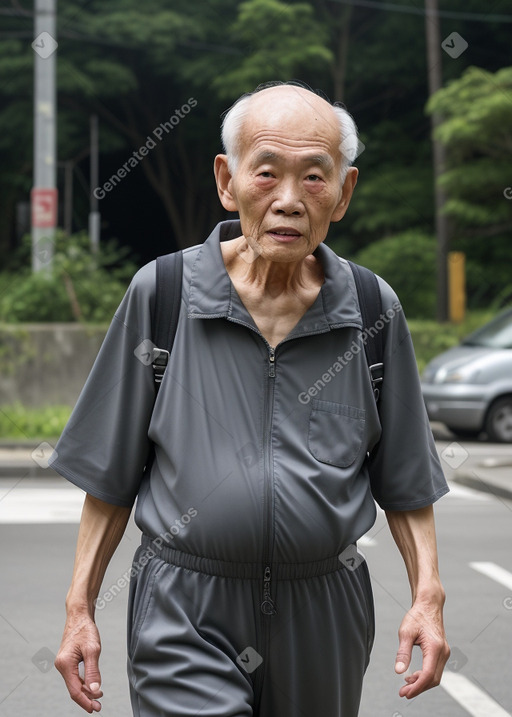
(423, 626)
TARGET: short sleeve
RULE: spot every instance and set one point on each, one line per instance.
(104, 446)
(405, 471)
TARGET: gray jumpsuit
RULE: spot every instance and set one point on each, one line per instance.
(248, 595)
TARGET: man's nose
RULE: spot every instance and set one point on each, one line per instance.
(288, 199)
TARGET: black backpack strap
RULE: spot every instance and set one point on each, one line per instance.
(169, 273)
(370, 303)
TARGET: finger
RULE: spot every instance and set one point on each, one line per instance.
(76, 691)
(92, 676)
(434, 660)
(405, 690)
(423, 680)
(403, 656)
(69, 669)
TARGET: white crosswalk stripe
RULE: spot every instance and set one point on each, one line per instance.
(472, 698)
(460, 491)
(47, 504)
(475, 701)
(57, 501)
(495, 572)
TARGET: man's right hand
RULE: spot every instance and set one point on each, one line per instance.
(81, 642)
(101, 528)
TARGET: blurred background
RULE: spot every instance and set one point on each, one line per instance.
(110, 117)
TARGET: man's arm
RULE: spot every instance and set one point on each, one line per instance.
(414, 534)
(101, 528)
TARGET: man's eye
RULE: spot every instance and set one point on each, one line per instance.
(313, 177)
(265, 174)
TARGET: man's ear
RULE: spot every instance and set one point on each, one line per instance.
(346, 194)
(224, 182)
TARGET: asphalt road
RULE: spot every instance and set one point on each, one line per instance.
(474, 535)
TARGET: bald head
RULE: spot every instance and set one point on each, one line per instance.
(301, 111)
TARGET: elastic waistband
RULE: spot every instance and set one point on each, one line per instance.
(244, 571)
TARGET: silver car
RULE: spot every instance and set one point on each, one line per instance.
(469, 387)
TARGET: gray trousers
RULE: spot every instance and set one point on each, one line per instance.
(199, 643)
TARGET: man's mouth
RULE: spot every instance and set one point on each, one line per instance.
(284, 233)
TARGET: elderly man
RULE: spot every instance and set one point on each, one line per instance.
(240, 602)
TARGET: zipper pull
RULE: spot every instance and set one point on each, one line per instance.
(267, 606)
(271, 362)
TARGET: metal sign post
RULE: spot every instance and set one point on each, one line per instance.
(44, 194)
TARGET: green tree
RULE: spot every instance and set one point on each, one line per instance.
(136, 66)
(83, 286)
(477, 132)
(283, 40)
(416, 285)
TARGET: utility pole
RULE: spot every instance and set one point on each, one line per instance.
(43, 196)
(435, 82)
(94, 215)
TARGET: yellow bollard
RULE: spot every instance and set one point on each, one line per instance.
(457, 285)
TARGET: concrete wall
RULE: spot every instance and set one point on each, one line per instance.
(46, 364)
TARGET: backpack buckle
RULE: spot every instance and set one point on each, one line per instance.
(160, 358)
(377, 376)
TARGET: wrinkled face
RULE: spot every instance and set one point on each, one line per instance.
(286, 185)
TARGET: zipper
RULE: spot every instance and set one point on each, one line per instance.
(267, 604)
(271, 362)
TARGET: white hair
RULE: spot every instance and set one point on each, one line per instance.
(235, 116)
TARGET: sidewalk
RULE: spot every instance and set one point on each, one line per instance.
(25, 459)
(494, 478)
(30, 460)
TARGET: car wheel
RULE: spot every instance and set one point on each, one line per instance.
(464, 433)
(498, 424)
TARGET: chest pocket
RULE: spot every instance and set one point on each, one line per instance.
(336, 432)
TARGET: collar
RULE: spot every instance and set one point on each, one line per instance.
(212, 294)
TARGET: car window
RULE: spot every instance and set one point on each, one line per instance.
(497, 334)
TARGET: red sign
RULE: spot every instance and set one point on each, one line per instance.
(44, 208)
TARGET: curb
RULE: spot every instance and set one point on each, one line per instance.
(28, 444)
(26, 471)
(469, 481)
(17, 461)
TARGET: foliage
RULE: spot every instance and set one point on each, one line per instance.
(407, 262)
(476, 111)
(135, 64)
(83, 286)
(283, 38)
(390, 199)
(22, 423)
